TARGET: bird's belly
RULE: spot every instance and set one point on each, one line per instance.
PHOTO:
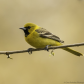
(39, 42)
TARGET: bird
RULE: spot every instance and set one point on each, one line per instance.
(39, 37)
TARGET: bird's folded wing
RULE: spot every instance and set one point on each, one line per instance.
(46, 34)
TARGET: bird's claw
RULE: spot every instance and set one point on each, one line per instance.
(46, 48)
(8, 55)
(30, 50)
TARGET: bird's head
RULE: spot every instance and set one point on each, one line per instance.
(29, 28)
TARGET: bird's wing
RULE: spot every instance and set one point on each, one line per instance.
(46, 34)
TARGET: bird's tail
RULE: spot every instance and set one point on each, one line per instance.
(73, 51)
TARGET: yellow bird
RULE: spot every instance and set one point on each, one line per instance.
(40, 38)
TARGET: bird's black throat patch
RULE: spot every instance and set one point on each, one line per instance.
(26, 32)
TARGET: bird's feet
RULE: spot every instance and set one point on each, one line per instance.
(46, 48)
(30, 50)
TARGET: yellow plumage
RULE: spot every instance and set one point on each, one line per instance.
(39, 38)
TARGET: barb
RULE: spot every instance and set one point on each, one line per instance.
(53, 47)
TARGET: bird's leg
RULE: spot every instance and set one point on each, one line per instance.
(30, 50)
(46, 48)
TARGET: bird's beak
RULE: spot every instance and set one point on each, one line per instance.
(23, 28)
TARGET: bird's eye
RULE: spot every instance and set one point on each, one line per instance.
(28, 27)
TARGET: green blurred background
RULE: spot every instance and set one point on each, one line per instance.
(64, 18)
